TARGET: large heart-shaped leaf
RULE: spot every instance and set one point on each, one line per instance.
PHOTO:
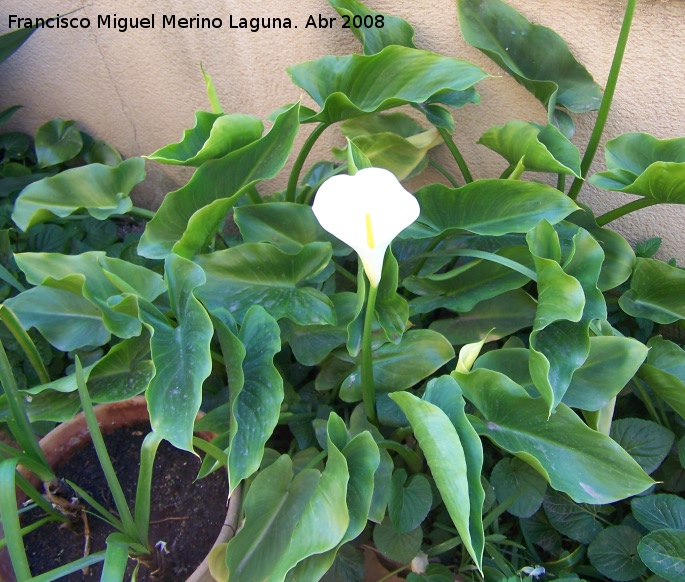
(537, 148)
(518, 46)
(402, 75)
(394, 30)
(189, 217)
(663, 552)
(213, 136)
(646, 441)
(614, 552)
(493, 207)
(57, 141)
(261, 273)
(561, 447)
(180, 353)
(99, 189)
(641, 164)
(661, 511)
(657, 292)
(399, 366)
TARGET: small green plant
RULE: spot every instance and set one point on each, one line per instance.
(463, 392)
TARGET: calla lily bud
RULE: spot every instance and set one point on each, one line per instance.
(366, 211)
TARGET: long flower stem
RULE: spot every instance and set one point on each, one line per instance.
(456, 154)
(291, 192)
(608, 97)
(368, 388)
(625, 209)
(142, 212)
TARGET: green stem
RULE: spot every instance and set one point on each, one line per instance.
(444, 172)
(607, 98)
(625, 209)
(142, 212)
(515, 174)
(456, 154)
(368, 388)
(299, 162)
(394, 573)
(561, 182)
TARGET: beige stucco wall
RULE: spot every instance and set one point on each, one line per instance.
(138, 89)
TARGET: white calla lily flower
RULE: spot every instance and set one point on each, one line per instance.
(366, 211)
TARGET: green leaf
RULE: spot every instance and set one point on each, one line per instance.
(664, 371)
(441, 444)
(410, 76)
(11, 40)
(538, 148)
(374, 39)
(491, 319)
(494, 207)
(511, 475)
(289, 519)
(287, 225)
(576, 521)
(638, 163)
(189, 217)
(392, 309)
(611, 363)
(661, 511)
(214, 136)
(657, 292)
(559, 342)
(515, 44)
(614, 552)
(181, 355)
(410, 501)
(7, 114)
(239, 277)
(464, 287)
(256, 394)
(363, 457)
(561, 447)
(646, 441)
(399, 366)
(101, 190)
(663, 552)
(57, 141)
(400, 547)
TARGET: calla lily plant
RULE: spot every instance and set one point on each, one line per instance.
(341, 406)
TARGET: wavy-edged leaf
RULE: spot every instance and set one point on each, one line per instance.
(181, 354)
(239, 277)
(517, 46)
(410, 501)
(399, 75)
(657, 292)
(512, 476)
(99, 189)
(444, 452)
(399, 366)
(213, 136)
(57, 141)
(610, 364)
(374, 39)
(587, 465)
(578, 521)
(663, 552)
(493, 207)
(256, 392)
(190, 216)
(639, 163)
(538, 148)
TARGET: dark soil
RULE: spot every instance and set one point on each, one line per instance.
(186, 514)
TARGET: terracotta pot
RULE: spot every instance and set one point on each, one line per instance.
(65, 440)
